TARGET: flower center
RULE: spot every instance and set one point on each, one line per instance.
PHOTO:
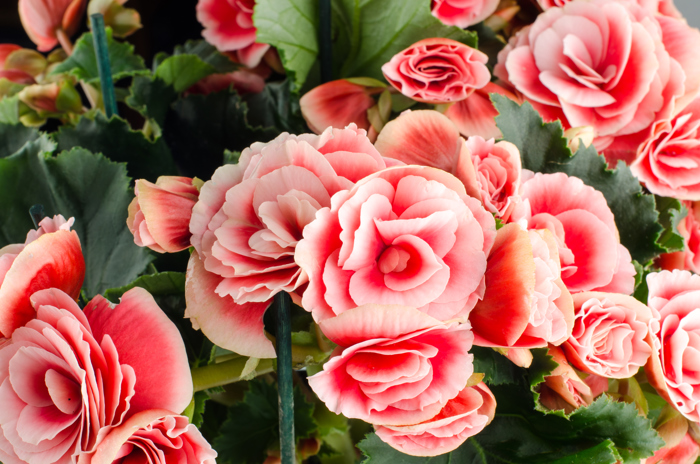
(393, 259)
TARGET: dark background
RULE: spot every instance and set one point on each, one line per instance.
(171, 22)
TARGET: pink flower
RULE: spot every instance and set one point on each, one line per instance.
(337, 104)
(159, 215)
(563, 388)
(610, 335)
(650, 5)
(405, 235)
(607, 64)
(154, 436)
(463, 13)
(437, 71)
(590, 252)
(50, 257)
(526, 305)
(462, 417)
(669, 161)
(689, 258)
(228, 25)
(475, 114)
(18, 76)
(45, 20)
(687, 451)
(67, 374)
(497, 167)
(248, 220)
(394, 365)
(672, 369)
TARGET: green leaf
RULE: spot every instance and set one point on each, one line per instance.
(276, 107)
(291, 27)
(208, 54)
(497, 369)
(252, 425)
(543, 148)
(115, 139)
(542, 365)
(9, 110)
(151, 97)
(200, 127)
(76, 184)
(378, 452)
(83, 62)
(671, 213)
(162, 284)
(183, 71)
(14, 136)
(195, 410)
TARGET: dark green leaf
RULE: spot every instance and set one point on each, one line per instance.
(200, 127)
(544, 149)
(276, 107)
(162, 284)
(115, 139)
(151, 97)
(252, 425)
(76, 184)
(200, 404)
(9, 110)
(183, 71)
(378, 452)
(671, 213)
(83, 62)
(13, 137)
(497, 369)
(542, 365)
(208, 54)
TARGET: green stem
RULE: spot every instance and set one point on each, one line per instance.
(99, 38)
(216, 375)
(37, 214)
(285, 386)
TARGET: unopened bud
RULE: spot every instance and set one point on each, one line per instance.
(578, 135)
(28, 61)
(500, 19)
(123, 21)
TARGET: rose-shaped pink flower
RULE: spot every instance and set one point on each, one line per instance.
(563, 388)
(338, 104)
(607, 64)
(47, 22)
(610, 336)
(590, 252)
(68, 373)
(685, 452)
(674, 298)
(650, 5)
(463, 13)
(406, 235)
(669, 162)
(248, 220)
(159, 215)
(228, 25)
(437, 71)
(394, 365)
(526, 305)
(462, 417)
(497, 167)
(50, 257)
(154, 436)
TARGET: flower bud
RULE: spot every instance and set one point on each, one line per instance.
(29, 61)
(123, 21)
(577, 135)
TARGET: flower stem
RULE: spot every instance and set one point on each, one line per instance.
(99, 37)
(37, 214)
(65, 42)
(324, 40)
(216, 375)
(285, 386)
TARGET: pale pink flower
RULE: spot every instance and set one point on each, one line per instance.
(463, 13)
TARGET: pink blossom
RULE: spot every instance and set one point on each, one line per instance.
(689, 229)
(610, 335)
(159, 215)
(672, 368)
(607, 64)
(437, 71)
(228, 25)
(590, 252)
(563, 388)
(154, 436)
(662, 6)
(337, 104)
(687, 451)
(44, 20)
(407, 235)
(67, 373)
(463, 13)
(475, 115)
(462, 417)
(248, 220)
(394, 365)
(50, 257)
(668, 163)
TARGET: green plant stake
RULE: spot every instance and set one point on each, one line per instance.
(284, 378)
(324, 41)
(99, 37)
(37, 214)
